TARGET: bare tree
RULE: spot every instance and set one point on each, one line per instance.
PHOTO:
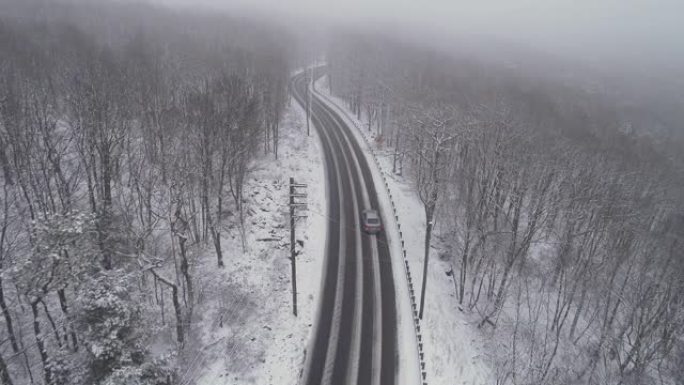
(438, 136)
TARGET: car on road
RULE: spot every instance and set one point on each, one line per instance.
(370, 221)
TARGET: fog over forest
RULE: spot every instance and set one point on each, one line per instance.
(632, 48)
(612, 33)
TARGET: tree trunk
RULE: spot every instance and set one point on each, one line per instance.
(395, 155)
(65, 311)
(179, 316)
(176, 306)
(276, 137)
(58, 338)
(4, 163)
(217, 245)
(464, 269)
(8, 320)
(5, 378)
(106, 208)
(428, 237)
(578, 311)
(185, 269)
(40, 343)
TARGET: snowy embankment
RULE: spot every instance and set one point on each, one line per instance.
(452, 345)
(248, 332)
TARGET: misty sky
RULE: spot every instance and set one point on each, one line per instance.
(634, 33)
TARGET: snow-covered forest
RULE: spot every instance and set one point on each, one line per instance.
(560, 215)
(156, 157)
(126, 132)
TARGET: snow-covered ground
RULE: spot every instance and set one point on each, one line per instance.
(452, 343)
(248, 332)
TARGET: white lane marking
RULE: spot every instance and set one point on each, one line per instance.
(377, 289)
(339, 289)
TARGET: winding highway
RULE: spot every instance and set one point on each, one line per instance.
(354, 340)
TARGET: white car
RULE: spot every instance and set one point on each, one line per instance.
(370, 221)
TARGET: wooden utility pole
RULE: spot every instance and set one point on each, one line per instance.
(293, 239)
(309, 82)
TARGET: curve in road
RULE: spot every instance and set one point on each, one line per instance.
(354, 340)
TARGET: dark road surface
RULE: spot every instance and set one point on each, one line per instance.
(355, 334)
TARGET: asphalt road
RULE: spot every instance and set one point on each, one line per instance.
(355, 333)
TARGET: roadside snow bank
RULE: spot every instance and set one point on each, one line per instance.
(248, 332)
